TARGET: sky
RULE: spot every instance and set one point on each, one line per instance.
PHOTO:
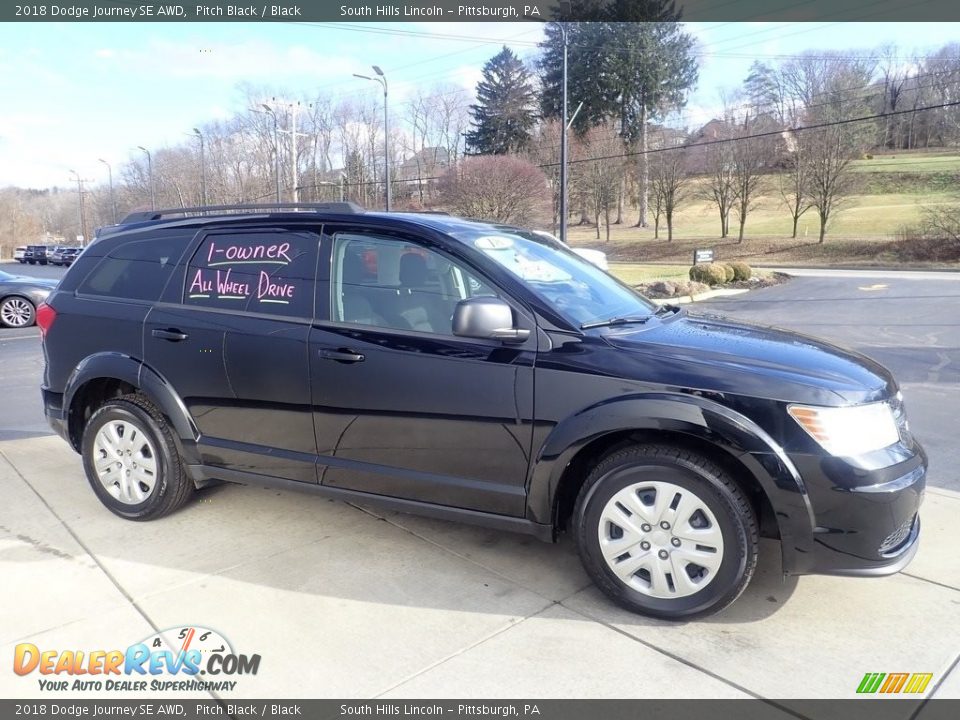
(72, 94)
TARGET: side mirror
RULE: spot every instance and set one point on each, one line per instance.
(487, 318)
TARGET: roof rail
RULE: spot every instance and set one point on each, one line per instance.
(346, 208)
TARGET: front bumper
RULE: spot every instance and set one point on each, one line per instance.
(866, 521)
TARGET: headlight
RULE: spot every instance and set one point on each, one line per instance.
(848, 431)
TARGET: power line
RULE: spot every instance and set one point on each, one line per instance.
(771, 133)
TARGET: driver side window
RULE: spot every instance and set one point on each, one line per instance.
(392, 283)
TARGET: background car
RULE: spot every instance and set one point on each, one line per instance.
(18, 253)
(64, 256)
(19, 297)
(36, 254)
(595, 257)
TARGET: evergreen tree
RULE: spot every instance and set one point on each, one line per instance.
(625, 71)
(505, 114)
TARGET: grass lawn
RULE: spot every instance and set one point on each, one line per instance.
(860, 232)
(636, 273)
(903, 162)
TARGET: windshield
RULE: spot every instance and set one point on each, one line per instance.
(576, 288)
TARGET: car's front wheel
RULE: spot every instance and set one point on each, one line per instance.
(17, 312)
(665, 532)
(131, 460)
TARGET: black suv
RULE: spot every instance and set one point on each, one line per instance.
(472, 371)
(36, 254)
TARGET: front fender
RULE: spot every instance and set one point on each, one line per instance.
(117, 366)
(690, 415)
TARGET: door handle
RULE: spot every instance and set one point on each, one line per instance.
(344, 356)
(171, 335)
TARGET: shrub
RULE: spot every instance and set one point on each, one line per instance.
(709, 273)
(741, 271)
(728, 273)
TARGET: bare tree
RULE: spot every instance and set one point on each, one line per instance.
(794, 185)
(721, 187)
(829, 180)
(751, 158)
(670, 180)
(499, 188)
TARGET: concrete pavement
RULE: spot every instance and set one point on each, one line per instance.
(343, 602)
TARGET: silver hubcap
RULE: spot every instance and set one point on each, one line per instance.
(125, 461)
(16, 312)
(661, 539)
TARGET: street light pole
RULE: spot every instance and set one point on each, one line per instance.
(276, 146)
(294, 109)
(113, 199)
(563, 139)
(203, 170)
(382, 79)
(153, 194)
(82, 217)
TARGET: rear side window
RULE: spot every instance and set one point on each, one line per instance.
(136, 270)
(264, 272)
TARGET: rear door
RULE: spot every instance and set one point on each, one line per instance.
(232, 340)
(403, 407)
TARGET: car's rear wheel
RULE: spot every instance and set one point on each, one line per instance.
(17, 312)
(131, 460)
(665, 532)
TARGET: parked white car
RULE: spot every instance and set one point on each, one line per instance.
(18, 254)
(596, 257)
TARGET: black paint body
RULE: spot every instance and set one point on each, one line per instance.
(481, 430)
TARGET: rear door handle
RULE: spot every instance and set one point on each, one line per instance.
(171, 335)
(344, 356)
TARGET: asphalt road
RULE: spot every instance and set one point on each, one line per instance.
(910, 322)
(21, 368)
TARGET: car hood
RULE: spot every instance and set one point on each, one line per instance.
(714, 353)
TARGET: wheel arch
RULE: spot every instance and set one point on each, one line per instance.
(103, 376)
(728, 438)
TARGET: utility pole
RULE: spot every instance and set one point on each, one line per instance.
(113, 198)
(82, 217)
(153, 193)
(203, 169)
(294, 110)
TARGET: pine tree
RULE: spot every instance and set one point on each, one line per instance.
(504, 115)
(628, 72)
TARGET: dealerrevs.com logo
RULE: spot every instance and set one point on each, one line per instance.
(186, 658)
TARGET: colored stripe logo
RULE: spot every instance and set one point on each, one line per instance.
(891, 683)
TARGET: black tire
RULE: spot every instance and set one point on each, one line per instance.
(31, 309)
(172, 487)
(711, 485)
(32, 262)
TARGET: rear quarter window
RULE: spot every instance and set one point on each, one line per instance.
(136, 270)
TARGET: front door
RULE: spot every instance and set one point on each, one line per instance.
(402, 407)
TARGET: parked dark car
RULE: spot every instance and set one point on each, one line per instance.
(19, 298)
(64, 256)
(474, 372)
(35, 254)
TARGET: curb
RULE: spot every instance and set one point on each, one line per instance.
(687, 299)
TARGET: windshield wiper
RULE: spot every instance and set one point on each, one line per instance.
(610, 322)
